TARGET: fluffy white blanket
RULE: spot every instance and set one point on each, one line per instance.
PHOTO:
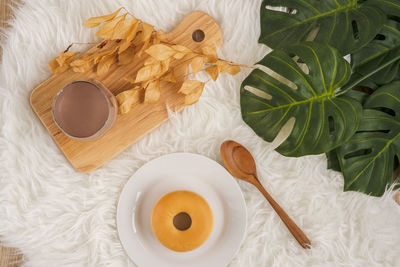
(59, 217)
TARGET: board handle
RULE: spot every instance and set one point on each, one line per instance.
(196, 30)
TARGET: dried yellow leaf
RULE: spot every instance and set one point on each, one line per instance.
(152, 93)
(107, 30)
(160, 51)
(127, 56)
(127, 98)
(148, 72)
(96, 21)
(61, 63)
(130, 80)
(209, 51)
(65, 58)
(57, 69)
(99, 55)
(133, 32)
(125, 44)
(82, 64)
(105, 64)
(150, 61)
(169, 77)
(165, 66)
(190, 86)
(179, 55)
(144, 47)
(194, 96)
(210, 60)
(227, 67)
(213, 71)
(125, 28)
(144, 73)
(181, 48)
(197, 64)
(147, 30)
(158, 37)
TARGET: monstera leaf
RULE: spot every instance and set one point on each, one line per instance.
(384, 48)
(322, 120)
(333, 161)
(344, 24)
(367, 160)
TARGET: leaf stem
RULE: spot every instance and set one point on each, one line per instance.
(202, 55)
(356, 82)
(67, 49)
(127, 11)
(240, 65)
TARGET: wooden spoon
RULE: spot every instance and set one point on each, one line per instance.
(240, 163)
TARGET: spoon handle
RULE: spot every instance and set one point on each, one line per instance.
(290, 224)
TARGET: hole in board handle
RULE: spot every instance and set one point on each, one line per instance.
(198, 36)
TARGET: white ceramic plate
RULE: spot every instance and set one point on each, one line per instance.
(181, 171)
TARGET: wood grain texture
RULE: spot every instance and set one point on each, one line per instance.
(143, 118)
(240, 163)
(10, 257)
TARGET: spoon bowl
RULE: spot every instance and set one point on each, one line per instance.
(240, 161)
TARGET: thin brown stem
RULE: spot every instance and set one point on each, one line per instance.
(129, 13)
(240, 65)
(69, 47)
(74, 43)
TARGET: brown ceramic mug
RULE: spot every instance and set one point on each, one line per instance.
(84, 110)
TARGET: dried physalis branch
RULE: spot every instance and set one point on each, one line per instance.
(112, 27)
(156, 68)
(129, 37)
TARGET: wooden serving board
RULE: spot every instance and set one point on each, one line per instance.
(86, 156)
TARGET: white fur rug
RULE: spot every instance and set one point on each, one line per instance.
(59, 217)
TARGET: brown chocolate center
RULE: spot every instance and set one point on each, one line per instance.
(81, 109)
(182, 221)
